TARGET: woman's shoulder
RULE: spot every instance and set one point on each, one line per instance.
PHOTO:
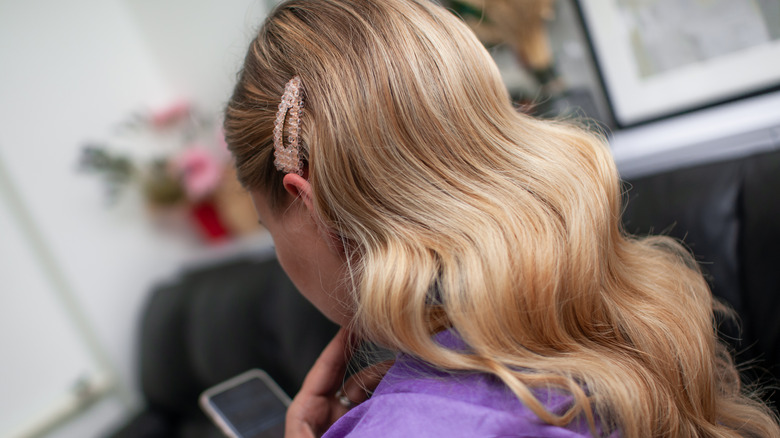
(415, 399)
(426, 415)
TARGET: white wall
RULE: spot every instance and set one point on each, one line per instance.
(69, 72)
(198, 46)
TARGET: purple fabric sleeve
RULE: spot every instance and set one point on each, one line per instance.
(417, 400)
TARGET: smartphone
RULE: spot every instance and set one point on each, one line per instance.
(250, 405)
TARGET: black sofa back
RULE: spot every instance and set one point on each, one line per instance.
(212, 324)
(728, 214)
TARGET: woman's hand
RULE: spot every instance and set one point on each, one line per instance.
(317, 405)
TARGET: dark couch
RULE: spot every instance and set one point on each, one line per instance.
(212, 324)
(728, 214)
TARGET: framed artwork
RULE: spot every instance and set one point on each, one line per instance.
(658, 58)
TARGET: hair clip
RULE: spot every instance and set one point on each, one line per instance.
(287, 157)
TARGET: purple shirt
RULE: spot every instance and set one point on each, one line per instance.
(414, 399)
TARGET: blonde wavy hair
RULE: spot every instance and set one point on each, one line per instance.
(459, 211)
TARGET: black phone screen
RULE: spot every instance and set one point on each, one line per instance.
(251, 409)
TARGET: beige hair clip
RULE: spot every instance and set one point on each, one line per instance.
(287, 157)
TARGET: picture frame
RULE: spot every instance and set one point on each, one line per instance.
(661, 58)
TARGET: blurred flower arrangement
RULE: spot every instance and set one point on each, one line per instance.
(193, 174)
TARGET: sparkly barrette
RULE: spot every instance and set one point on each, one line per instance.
(287, 156)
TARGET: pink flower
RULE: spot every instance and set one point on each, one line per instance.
(170, 114)
(201, 171)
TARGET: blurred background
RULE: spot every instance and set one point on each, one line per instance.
(114, 178)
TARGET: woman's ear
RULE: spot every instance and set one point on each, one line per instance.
(299, 187)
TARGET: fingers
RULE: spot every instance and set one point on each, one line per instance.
(315, 408)
(359, 387)
(318, 404)
(297, 429)
(326, 374)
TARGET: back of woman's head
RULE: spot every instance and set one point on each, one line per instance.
(378, 77)
(413, 148)
(457, 211)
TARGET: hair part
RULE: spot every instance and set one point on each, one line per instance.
(460, 212)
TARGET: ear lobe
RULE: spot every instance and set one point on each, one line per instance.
(299, 187)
